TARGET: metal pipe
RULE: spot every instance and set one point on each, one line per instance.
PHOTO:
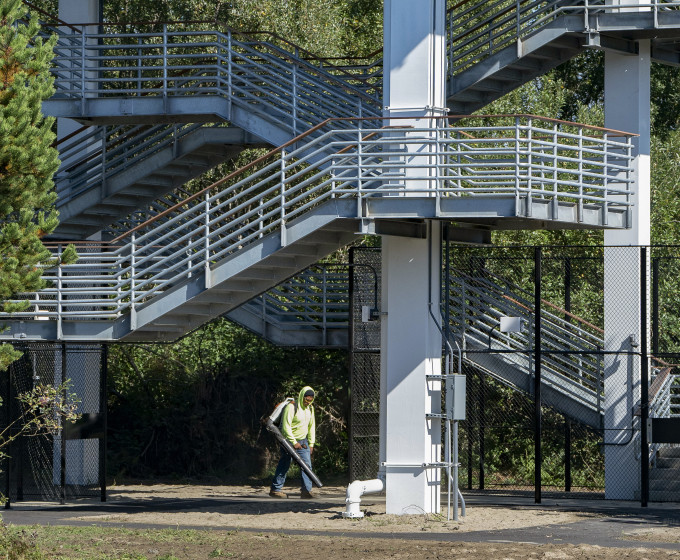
(354, 492)
(271, 427)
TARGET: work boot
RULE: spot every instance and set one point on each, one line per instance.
(307, 495)
(277, 494)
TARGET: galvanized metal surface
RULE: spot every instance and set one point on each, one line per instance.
(522, 157)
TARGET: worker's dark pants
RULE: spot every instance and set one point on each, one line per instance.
(284, 465)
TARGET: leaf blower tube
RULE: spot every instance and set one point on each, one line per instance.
(271, 427)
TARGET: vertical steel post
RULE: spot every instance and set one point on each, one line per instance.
(8, 421)
(537, 375)
(567, 454)
(482, 429)
(103, 410)
(62, 473)
(352, 361)
(655, 306)
(644, 382)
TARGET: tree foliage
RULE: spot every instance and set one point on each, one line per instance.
(27, 159)
(193, 408)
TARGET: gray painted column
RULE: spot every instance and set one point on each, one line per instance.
(627, 107)
(76, 11)
(410, 340)
(82, 456)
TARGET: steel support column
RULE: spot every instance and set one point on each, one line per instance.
(627, 107)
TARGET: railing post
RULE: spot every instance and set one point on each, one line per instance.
(82, 71)
(103, 182)
(530, 126)
(518, 198)
(644, 382)
(538, 459)
(230, 58)
(359, 170)
(580, 174)
(139, 67)
(60, 287)
(295, 92)
(133, 308)
(165, 66)
(283, 198)
(206, 234)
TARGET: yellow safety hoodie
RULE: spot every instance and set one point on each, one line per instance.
(299, 424)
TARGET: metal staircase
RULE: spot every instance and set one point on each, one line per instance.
(112, 171)
(495, 47)
(125, 84)
(664, 398)
(572, 368)
(219, 248)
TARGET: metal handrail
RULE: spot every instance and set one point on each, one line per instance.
(478, 29)
(571, 361)
(261, 77)
(180, 61)
(343, 160)
(664, 398)
(94, 156)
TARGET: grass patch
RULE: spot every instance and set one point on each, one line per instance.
(109, 543)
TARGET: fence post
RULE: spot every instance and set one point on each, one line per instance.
(8, 421)
(655, 306)
(62, 473)
(644, 382)
(537, 375)
(567, 454)
(104, 357)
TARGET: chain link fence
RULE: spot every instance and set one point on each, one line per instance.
(72, 462)
(364, 363)
(551, 407)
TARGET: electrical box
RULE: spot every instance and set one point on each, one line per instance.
(455, 397)
(511, 324)
(365, 313)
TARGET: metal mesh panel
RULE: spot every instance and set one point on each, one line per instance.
(365, 365)
(664, 387)
(550, 387)
(34, 469)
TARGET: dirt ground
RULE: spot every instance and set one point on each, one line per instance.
(254, 525)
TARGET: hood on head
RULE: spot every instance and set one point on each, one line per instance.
(301, 395)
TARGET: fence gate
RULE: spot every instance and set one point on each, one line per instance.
(364, 342)
(72, 462)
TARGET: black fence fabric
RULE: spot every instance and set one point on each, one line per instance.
(364, 364)
(550, 409)
(71, 462)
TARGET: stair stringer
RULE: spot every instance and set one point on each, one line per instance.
(553, 44)
(134, 187)
(522, 381)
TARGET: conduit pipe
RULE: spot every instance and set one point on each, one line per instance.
(357, 489)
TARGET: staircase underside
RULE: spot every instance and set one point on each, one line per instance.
(557, 42)
(145, 180)
(289, 333)
(259, 120)
(573, 401)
